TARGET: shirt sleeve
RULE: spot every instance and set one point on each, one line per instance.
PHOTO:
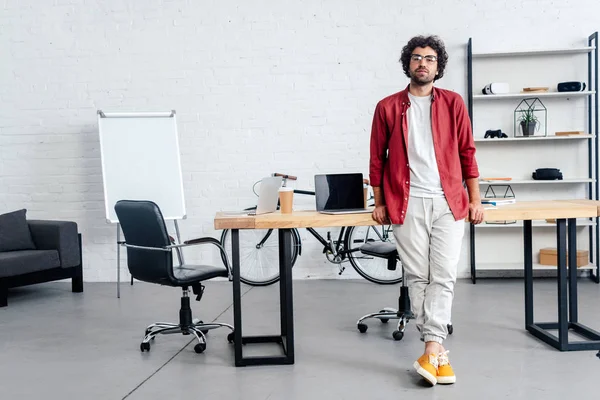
(466, 144)
(379, 144)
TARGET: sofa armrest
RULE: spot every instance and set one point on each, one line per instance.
(57, 235)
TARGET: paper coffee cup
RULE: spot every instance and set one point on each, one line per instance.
(286, 199)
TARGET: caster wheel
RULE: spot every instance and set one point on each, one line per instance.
(362, 328)
(450, 329)
(144, 346)
(230, 337)
(383, 320)
(200, 347)
(397, 335)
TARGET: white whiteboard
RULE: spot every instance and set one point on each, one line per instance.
(141, 161)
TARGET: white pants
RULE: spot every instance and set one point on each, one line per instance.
(429, 244)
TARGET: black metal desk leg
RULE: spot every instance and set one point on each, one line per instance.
(285, 292)
(572, 249)
(561, 246)
(528, 250)
(237, 296)
(567, 288)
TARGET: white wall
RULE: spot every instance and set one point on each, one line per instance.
(259, 86)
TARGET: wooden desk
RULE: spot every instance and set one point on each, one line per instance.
(526, 211)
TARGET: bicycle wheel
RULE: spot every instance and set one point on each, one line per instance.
(371, 268)
(259, 254)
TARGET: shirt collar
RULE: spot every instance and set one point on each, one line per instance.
(405, 98)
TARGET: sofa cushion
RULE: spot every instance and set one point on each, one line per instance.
(14, 232)
(24, 261)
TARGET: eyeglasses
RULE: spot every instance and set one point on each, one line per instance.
(428, 58)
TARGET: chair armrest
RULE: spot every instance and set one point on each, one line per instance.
(213, 241)
(57, 235)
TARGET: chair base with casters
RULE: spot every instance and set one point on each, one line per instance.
(150, 252)
(403, 313)
(186, 325)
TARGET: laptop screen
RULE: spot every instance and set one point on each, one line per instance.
(339, 191)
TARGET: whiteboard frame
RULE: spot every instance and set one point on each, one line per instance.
(160, 114)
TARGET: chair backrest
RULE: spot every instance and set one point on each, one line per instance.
(143, 224)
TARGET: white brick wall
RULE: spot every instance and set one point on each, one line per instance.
(259, 86)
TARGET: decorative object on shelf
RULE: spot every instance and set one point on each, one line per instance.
(573, 86)
(495, 179)
(548, 257)
(495, 134)
(569, 133)
(535, 89)
(496, 88)
(547, 174)
(530, 116)
(508, 196)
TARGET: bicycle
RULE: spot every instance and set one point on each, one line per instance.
(259, 252)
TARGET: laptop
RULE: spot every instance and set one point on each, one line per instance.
(340, 194)
(268, 197)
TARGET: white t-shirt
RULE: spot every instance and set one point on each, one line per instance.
(424, 173)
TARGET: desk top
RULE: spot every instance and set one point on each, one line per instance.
(522, 210)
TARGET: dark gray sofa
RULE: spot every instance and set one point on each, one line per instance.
(53, 253)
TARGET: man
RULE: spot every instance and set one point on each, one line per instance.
(422, 152)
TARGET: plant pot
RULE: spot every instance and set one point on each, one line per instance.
(528, 127)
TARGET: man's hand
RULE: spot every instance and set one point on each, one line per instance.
(380, 215)
(476, 212)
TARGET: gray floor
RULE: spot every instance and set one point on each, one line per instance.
(57, 344)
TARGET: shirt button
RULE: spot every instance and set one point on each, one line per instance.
(406, 182)
(402, 212)
(406, 198)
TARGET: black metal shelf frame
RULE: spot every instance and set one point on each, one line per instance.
(593, 186)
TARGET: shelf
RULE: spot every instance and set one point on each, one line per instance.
(533, 181)
(525, 139)
(519, 266)
(534, 224)
(526, 53)
(531, 95)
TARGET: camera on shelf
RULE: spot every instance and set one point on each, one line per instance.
(495, 134)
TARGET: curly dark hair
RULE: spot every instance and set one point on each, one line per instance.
(423, 41)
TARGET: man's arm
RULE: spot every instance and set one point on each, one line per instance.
(473, 190)
(466, 144)
(378, 153)
(378, 148)
(378, 194)
(470, 170)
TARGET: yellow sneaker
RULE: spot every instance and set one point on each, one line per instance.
(445, 373)
(427, 366)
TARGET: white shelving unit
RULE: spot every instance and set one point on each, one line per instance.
(542, 52)
(540, 67)
(534, 138)
(536, 266)
(534, 182)
(585, 136)
(534, 224)
(510, 96)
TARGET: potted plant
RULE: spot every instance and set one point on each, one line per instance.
(530, 116)
(528, 122)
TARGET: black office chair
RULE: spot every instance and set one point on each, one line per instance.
(150, 259)
(403, 313)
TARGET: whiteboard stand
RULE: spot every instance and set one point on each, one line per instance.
(141, 161)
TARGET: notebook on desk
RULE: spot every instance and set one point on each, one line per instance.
(340, 194)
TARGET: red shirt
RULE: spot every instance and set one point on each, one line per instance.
(453, 146)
